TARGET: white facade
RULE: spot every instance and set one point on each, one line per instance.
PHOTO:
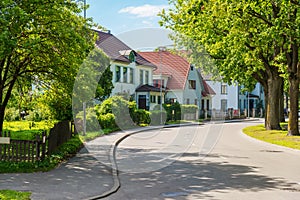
(127, 77)
(227, 96)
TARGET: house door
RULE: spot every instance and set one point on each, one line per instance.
(142, 102)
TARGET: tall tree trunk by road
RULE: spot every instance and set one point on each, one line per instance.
(273, 102)
(293, 128)
(293, 72)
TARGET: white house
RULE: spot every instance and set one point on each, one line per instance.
(231, 96)
(132, 74)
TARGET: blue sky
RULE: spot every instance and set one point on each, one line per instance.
(123, 15)
(128, 18)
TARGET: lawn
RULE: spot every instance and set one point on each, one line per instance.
(14, 195)
(278, 137)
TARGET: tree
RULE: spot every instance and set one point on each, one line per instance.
(93, 80)
(47, 41)
(247, 39)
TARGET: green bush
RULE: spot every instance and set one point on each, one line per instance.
(157, 117)
(11, 114)
(170, 108)
(107, 121)
(124, 114)
(140, 116)
(92, 123)
(189, 108)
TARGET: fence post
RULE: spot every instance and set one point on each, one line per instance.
(43, 145)
(37, 145)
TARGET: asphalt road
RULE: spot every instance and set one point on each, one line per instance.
(213, 161)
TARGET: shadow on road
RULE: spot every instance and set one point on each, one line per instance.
(187, 176)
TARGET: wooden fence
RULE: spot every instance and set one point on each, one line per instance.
(38, 149)
(23, 150)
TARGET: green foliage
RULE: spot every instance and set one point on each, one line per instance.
(93, 81)
(188, 108)
(249, 41)
(12, 114)
(170, 108)
(27, 130)
(158, 117)
(43, 43)
(117, 112)
(92, 123)
(140, 116)
(107, 121)
(14, 195)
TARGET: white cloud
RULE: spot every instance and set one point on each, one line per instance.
(144, 11)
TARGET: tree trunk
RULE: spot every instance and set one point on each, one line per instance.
(273, 102)
(281, 108)
(266, 94)
(2, 109)
(293, 128)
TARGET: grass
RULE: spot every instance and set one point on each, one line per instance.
(278, 137)
(14, 195)
(94, 134)
(27, 130)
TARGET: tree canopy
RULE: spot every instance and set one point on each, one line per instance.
(46, 41)
(247, 39)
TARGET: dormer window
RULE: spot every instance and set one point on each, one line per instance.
(129, 54)
(192, 67)
(132, 56)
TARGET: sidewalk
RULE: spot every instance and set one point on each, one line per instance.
(81, 177)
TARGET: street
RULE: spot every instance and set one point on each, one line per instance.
(169, 165)
(214, 161)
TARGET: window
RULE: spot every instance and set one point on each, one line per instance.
(196, 102)
(224, 88)
(146, 77)
(132, 56)
(157, 83)
(192, 67)
(125, 75)
(118, 73)
(187, 101)
(130, 75)
(141, 77)
(192, 84)
(152, 98)
(223, 105)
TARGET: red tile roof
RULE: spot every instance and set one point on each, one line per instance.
(169, 64)
(113, 48)
(207, 89)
